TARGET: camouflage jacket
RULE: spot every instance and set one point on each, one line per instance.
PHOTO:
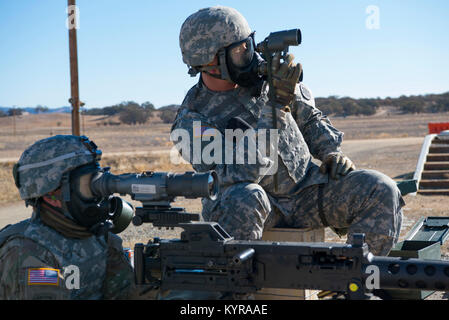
(304, 133)
(37, 262)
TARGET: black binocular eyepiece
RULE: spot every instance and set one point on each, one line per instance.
(280, 41)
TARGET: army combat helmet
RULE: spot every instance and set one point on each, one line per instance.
(222, 32)
(44, 165)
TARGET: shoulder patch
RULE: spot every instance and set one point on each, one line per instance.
(304, 95)
(43, 276)
(305, 92)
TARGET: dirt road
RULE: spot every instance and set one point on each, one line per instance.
(394, 156)
(13, 212)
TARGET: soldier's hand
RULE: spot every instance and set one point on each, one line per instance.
(285, 77)
(337, 164)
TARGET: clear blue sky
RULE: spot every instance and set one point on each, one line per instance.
(129, 50)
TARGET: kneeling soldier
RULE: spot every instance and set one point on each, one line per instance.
(65, 250)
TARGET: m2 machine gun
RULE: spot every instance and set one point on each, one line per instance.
(207, 258)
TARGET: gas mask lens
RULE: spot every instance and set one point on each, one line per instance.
(241, 53)
(84, 186)
(243, 62)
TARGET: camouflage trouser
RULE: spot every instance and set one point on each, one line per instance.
(364, 201)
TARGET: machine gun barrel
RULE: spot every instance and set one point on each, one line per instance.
(399, 273)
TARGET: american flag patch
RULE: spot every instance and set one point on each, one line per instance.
(43, 276)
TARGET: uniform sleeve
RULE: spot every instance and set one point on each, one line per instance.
(119, 282)
(29, 272)
(206, 148)
(321, 137)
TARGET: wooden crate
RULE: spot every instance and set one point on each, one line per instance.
(290, 235)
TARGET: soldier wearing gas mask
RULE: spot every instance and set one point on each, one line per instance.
(218, 44)
(66, 250)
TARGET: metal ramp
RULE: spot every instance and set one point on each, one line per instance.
(432, 171)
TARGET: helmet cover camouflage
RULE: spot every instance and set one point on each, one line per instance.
(208, 30)
(42, 165)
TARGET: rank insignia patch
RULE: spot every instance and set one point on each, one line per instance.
(43, 276)
(305, 92)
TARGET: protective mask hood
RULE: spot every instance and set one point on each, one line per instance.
(91, 211)
(239, 63)
(242, 62)
(247, 76)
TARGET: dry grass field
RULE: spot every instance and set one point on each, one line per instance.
(111, 138)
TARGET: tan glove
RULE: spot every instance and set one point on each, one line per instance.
(285, 77)
(337, 164)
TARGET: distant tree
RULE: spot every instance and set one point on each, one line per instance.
(133, 114)
(14, 112)
(119, 108)
(93, 111)
(173, 107)
(412, 106)
(168, 115)
(112, 110)
(41, 109)
(148, 106)
(3, 114)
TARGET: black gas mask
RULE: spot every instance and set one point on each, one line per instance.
(92, 211)
(238, 63)
(243, 62)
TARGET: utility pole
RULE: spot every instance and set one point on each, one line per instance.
(14, 121)
(72, 25)
(84, 125)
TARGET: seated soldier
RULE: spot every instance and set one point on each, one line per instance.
(218, 44)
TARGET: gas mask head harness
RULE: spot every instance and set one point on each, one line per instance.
(238, 63)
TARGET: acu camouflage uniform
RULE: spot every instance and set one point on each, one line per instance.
(362, 201)
(105, 272)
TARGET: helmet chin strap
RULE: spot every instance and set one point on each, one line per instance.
(65, 187)
(221, 66)
(214, 75)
